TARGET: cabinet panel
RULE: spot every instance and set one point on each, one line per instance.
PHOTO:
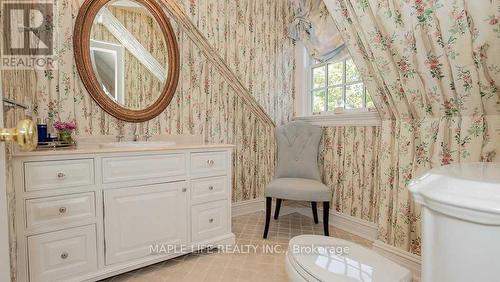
(61, 255)
(122, 169)
(135, 218)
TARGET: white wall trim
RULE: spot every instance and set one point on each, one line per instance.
(4, 211)
(356, 226)
(404, 258)
(302, 103)
(348, 118)
(119, 67)
(249, 206)
(259, 204)
(362, 228)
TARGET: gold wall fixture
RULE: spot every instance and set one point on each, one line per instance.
(24, 135)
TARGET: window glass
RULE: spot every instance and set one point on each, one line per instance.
(335, 98)
(319, 77)
(319, 100)
(337, 84)
(335, 73)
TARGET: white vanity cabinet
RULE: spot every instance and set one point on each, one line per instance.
(84, 215)
(158, 213)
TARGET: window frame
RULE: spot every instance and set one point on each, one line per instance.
(310, 90)
(302, 102)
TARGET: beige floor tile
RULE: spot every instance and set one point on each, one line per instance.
(247, 275)
(230, 267)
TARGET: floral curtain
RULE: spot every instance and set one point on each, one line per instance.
(433, 70)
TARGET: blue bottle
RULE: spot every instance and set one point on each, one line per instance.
(42, 131)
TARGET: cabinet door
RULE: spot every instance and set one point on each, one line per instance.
(137, 219)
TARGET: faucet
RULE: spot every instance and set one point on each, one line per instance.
(120, 135)
(136, 135)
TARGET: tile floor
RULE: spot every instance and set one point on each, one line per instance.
(250, 266)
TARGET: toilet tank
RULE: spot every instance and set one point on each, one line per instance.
(461, 222)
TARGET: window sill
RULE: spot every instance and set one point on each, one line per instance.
(355, 118)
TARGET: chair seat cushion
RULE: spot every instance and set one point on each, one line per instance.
(298, 189)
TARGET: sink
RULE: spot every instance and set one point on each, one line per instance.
(138, 144)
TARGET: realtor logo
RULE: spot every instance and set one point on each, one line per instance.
(28, 34)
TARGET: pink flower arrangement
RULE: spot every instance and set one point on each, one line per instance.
(65, 125)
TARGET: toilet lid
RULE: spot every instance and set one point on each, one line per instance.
(324, 258)
(468, 191)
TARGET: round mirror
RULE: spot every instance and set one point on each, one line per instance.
(127, 57)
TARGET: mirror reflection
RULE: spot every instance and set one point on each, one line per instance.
(128, 54)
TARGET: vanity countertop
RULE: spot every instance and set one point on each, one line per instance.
(90, 145)
(87, 149)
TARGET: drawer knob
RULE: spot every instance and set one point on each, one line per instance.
(61, 175)
(62, 210)
(210, 188)
(64, 255)
(184, 189)
(211, 220)
(211, 162)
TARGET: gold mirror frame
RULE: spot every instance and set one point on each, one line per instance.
(81, 45)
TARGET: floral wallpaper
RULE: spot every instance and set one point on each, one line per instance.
(249, 34)
(433, 69)
(349, 166)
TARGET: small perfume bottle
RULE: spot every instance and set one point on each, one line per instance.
(42, 131)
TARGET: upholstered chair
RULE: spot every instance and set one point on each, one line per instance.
(297, 175)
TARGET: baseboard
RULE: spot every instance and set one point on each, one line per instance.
(351, 224)
(249, 206)
(285, 210)
(256, 205)
(354, 225)
(404, 258)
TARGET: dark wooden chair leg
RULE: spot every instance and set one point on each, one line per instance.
(326, 213)
(277, 210)
(269, 201)
(314, 207)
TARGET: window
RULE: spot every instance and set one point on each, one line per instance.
(337, 84)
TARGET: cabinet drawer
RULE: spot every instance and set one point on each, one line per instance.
(209, 164)
(59, 210)
(61, 255)
(209, 189)
(58, 174)
(120, 169)
(209, 220)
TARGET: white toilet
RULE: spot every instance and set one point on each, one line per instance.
(321, 258)
(461, 222)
